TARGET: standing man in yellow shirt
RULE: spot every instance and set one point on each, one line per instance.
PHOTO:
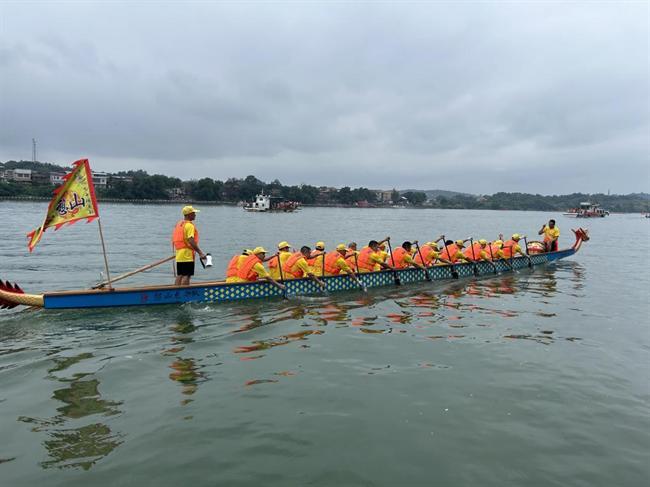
(186, 242)
(551, 235)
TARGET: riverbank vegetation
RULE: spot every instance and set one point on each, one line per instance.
(139, 185)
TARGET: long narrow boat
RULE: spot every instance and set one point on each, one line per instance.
(216, 292)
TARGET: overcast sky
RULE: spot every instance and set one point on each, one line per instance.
(545, 97)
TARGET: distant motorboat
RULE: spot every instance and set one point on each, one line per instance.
(264, 202)
(587, 210)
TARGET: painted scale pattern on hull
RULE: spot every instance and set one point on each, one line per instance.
(215, 293)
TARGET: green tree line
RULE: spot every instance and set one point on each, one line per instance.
(140, 185)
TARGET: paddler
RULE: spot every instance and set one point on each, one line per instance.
(185, 239)
(383, 253)
(370, 259)
(430, 255)
(402, 257)
(296, 266)
(335, 263)
(477, 251)
(352, 256)
(453, 251)
(315, 261)
(551, 235)
(234, 265)
(283, 254)
(511, 247)
(252, 269)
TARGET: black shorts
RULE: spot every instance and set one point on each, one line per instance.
(185, 268)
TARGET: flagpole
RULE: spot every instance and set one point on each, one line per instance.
(101, 237)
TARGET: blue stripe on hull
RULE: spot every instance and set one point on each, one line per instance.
(215, 293)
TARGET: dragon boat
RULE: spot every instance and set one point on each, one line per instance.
(11, 295)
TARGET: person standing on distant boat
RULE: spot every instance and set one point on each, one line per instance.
(551, 235)
(185, 239)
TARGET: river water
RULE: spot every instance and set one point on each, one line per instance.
(538, 378)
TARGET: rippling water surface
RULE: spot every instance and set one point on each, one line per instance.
(533, 378)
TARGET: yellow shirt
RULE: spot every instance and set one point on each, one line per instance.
(551, 234)
(258, 268)
(341, 264)
(186, 255)
(317, 267)
(275, 271)
(377, 258)
(384, 255)
(301, 264)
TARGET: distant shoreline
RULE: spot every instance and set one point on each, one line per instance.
(232, 203)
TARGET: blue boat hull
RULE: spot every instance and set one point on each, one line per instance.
(216, 292)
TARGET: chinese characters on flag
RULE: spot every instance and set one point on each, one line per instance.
(74, 200)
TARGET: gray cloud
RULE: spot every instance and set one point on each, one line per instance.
(543, 97)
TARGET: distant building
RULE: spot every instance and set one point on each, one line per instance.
(384, 196)
(56, 178)
(40, 177)
(19, 175)
(115, 179)
(100, 179)
(2, 175)
(176, 193)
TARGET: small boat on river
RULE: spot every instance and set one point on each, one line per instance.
(587, 210)
(11, 295)
(264, 203)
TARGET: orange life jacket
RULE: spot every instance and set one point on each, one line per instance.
(449, 252)
(397, 258)
(476, 249)
(363, 260)
(246, 271)
(330, 262)
(233, 266)
(352, 260)
(178, 235)
(427, 253)
(508, 246)
(492, 251)
(291, 261)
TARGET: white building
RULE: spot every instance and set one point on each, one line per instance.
(100, 179)
(56, 178)
(20, 175)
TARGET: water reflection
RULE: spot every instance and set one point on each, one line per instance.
(85, 445)
(185, 370)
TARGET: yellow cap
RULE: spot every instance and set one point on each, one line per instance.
(259, 250)
(320, 245)
(341, 247)
(460, 243)
(283, 244)
(516, 236)
(498, 242)
(247, 252)
(189, 209)
(433, 245)
(483, 241)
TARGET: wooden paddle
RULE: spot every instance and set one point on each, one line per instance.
(284, 291)
(398, 282)
(454, 272)
(426, 270)
(530, 262)
(474, 266)
(128, 274)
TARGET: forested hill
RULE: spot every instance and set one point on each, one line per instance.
(138, 185)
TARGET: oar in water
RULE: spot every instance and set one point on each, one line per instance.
(392, 259)
(474, 266)
(424, 264)
(284, 291)
(494, 266)
(454, 272)
(128, 274)
(530, 262)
